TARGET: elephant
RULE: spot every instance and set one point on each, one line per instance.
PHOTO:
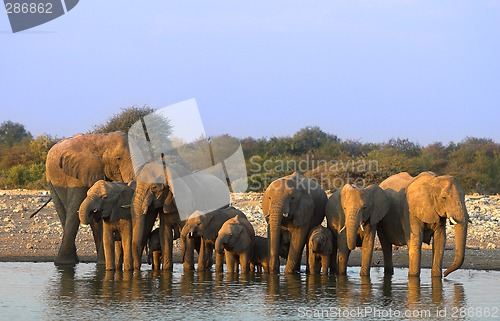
(260, 258)
(320, 247)
(235, 240)
(153, 197)
(292, 204)
(188, 245)
(205, 226)
(418, 212)
(157, 187)
(110, 202)
(352, 216)
(154, 249)
(73, 165)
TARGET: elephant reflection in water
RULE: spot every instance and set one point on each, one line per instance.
(349, 290)
(196, 285)
(283, 288)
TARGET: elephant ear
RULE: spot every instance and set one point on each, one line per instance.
(179, 181)
(123, 203)
(334, 211)
(304, 210)
(379, 203)
(420, 198)
(83, 164)
(242, 240)
(169, 204)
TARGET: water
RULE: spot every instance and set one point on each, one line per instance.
(42, 291)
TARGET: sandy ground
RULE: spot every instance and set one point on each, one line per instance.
(37, 239)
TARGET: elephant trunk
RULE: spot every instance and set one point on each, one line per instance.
(220, 243)
(139, 209)
(460, 242)
(274, 239)
(317, 244)
(87, 209)
(351, 230)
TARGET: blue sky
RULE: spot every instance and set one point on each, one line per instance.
(368, 70)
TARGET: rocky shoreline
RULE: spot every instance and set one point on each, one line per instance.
(37, 239)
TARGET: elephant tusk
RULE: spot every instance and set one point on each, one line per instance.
(361, 226)
(342, 229)
(285, 214)
(190, 234)
(452, 220)
(95, 211)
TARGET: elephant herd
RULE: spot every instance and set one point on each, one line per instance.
(92, 181)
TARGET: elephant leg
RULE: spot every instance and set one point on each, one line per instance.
(230, 262)
(67, 251)
(438, 243)
(318, 263)
(219, 262)
(343, 258)
(109, 243)
(387, 252)
(333, 257)
(414, 251)
(311, 262)
(244, 262)
(264, 267)
(325, 264)
(188, 253)
(126, 235)
(202, 256)
(367, 250)
(118, 254)
(166, 239)
(58, 203)
(296, 247)
(156, 260)
(209, 255)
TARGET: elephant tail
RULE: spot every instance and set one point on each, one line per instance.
(38, 210)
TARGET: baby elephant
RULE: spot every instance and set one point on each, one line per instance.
(154, 249)
(110, 201)
(236, 239)
(260, 259)
(320, 247)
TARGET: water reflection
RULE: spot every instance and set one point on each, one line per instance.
(89, 292)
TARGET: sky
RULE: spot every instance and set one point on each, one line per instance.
(367, 70)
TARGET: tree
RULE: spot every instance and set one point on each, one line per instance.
(124, 120)
(409, 148)
(12, 133)
(309, 139)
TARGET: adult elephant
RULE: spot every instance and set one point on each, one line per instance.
(352, 215)
(152, 198)
(294, 204)
(165, 191)
(73, 165)
(418, 212)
